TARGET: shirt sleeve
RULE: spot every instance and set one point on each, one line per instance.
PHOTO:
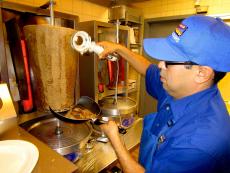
(153, 84)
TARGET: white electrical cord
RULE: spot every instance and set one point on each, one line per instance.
(117, 40)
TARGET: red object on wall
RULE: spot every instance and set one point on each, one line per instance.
(28, 103)
(121, 69)
(112, 71)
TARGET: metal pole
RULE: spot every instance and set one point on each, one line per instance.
(117, 40)
(52, 12)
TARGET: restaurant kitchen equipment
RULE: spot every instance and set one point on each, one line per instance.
(39, 67)
(123, 108)
(85, 110)
(14, 18)
(65, 138)
(52, 70)
(123, 111)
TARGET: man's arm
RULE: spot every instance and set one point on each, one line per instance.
(137, 61)
(128, 164)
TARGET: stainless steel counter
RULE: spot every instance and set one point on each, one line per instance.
(101, 156)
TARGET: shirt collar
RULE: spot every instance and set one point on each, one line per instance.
(179, 107)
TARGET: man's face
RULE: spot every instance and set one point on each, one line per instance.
(177, 79)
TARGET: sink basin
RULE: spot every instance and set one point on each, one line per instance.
(17, 156)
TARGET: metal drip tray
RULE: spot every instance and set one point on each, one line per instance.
(65, 138)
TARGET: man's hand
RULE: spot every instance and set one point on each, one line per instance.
(109, 48)
(110, 129)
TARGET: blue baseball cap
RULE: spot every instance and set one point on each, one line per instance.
(201, 39)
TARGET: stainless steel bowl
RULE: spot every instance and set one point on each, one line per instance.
(123, 111)
(123, 106)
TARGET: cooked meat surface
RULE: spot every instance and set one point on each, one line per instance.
(80, 113)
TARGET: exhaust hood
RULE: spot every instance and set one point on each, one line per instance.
(125, 13)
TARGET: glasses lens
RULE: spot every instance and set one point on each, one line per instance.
(167, 63)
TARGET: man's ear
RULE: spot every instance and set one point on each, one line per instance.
(204, 74)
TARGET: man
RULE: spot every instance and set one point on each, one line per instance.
(190, 133)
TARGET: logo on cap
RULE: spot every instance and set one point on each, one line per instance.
(179, 31)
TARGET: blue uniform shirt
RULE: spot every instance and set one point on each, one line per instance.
(188, 135)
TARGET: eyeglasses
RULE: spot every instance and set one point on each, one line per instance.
(186, 63)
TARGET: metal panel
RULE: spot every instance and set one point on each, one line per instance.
(122, 12)
(3, 61)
